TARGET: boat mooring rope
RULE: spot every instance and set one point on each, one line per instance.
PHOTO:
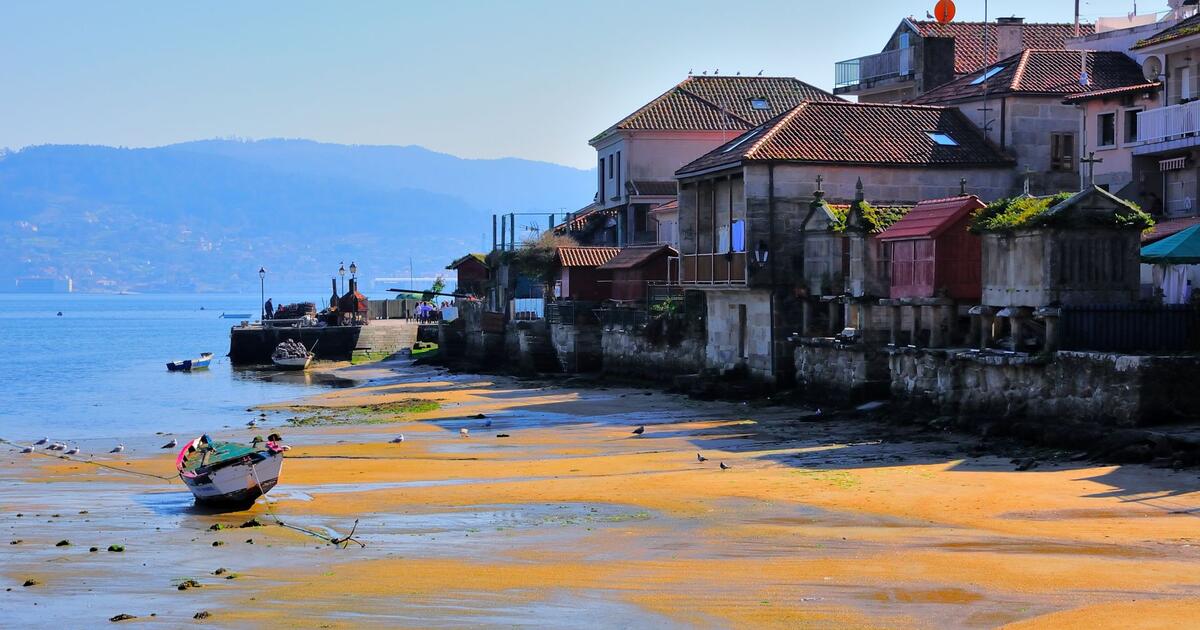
(93, 463)
(344, 542)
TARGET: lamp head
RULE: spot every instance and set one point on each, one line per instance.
(262, 273)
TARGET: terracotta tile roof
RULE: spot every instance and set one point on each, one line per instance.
(1163, 229)
(586, 256)
(637, 255)
(1042, 72)
(651, 188)
(670, 206)
(583, 216)
(480, 258)
(970, 51)
(704, 103)
(1118, 91)
(1181, 29)
(930, 218)
(859, 134)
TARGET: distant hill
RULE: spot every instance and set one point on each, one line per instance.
(205, 215)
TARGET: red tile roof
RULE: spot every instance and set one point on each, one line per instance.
(859, 134)
(583, 216)
(672, 205)
(930, 218)
(1042, 72)
(970, 51)
(1118, 91)
(586, 256)
(1181, 29)
(1163, 229)
(637, 255)
(714, 103)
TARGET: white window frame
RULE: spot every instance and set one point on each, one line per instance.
(1116, 130)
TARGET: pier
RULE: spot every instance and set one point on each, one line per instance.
(253, 344)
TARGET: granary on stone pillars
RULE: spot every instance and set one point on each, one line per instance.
(1041, 254)
(867, 272)
(935, 270)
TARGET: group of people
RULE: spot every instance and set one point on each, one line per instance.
(429, 311)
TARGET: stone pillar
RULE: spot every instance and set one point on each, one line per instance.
(894, 325)
(987, 317)
(1050, 317)
(805, 316)
(915, 336)
(833, 319)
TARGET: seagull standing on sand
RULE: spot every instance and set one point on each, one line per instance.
(701, 458)
(463, 432)
(118, 448)
(724, 467)
(398, 439)
(172, 444)
(74, 450)
(27, 449)
(57, 446)
(640, 430)
(41, 441)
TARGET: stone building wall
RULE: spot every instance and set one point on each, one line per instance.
(627, 352)
(726, 349)
(827, 369)
(579, 348)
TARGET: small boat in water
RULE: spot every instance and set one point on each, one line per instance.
(187, 365)
(291, 355)
(235, 315)
(229, 473)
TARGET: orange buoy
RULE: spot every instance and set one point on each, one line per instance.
(944, 11)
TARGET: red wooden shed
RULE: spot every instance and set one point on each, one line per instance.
(578, 276)
(932, 252)
(472, 272)
(635, 267)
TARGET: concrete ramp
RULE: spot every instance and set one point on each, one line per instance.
(387, 335)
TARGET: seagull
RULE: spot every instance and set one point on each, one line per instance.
(463, 432)
(640, 430)
(398, 439)
(118, 448)
(724, 467)
(701, 458)
(41, 441)
(27, 449)
(56, 446)
(172, 444)
(74, 450)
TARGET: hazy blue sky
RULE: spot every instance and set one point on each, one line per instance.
(531, 79)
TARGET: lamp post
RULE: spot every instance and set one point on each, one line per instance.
(342, 273)
(262, 295)
(353, 270)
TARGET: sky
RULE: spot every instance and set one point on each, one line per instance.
(479, 79)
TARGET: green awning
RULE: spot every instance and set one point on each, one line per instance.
(1178, 249)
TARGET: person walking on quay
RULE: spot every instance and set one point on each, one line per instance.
(269, 309)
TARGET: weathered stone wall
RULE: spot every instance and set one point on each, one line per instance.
(845, 373)
(1114, 389)
(578, 347)
(627, 352)
(726, 348)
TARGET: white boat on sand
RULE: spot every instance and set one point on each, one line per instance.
(229, 473)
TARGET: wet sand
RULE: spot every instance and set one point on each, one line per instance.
(572, 521)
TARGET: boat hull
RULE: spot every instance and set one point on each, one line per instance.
(240, 482)
(292, 364)
(188, 365)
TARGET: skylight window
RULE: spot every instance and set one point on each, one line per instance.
(760, 103)
(991, 72)
(742, 140)
(942, 139)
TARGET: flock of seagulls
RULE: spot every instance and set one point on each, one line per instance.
(46, 444)
(641, 430)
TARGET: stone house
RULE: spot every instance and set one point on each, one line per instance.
(742, 208)
(1019, 101)
(637, 156)
(922, 55)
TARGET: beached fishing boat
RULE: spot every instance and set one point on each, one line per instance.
(187, 365)
(229, 473)
(291, 355)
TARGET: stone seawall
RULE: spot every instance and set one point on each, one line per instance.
(253, 346)
(835, 371)
(579, 347)
(627, 352)
(1119, 390)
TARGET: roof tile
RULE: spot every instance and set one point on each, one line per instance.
(975, 42)
(1181, 29)
(586, 256)
(636, 255)
(931, 217)
(1049, 72)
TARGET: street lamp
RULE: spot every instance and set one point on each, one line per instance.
(353, 270)
(342, 273)
(262, 297)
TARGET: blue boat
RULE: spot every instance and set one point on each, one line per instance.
(187, 365)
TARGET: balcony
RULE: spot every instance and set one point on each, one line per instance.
(1169, 123)
(714, 269)
(850, 75)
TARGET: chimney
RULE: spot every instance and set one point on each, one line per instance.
(1009, 40)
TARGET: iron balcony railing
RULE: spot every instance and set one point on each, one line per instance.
(887, 64)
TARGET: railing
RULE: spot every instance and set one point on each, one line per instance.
(1131, 328)
(887, 64)
(1164, 123)
(714, 268)
(1181, 205)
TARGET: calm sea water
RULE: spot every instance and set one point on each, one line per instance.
(100, 369)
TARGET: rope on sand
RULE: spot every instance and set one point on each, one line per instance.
(344, 541)
(95, 463)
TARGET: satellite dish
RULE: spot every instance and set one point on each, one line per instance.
(1152, 68)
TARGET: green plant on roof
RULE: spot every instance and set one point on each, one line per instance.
(879, 218)
(1023, 211)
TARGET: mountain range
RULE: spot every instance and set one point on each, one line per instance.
(205, 215)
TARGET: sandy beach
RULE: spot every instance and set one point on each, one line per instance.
(569, 520)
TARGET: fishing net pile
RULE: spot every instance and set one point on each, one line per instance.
(290, 349)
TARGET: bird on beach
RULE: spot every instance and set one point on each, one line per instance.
(118, 448)
(640, 430)
(398, 439)
(41, 441)
(172, 444)
(74, 450)
(701, 458)
(56, 446)
(463, 432)
(724, 467)
(27, 449)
